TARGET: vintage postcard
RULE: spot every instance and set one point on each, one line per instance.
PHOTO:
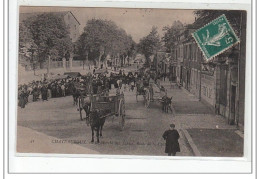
(131, 81)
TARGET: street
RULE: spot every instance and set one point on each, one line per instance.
(142, 134)
(60, 122)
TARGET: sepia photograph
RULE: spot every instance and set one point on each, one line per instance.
(131, 81)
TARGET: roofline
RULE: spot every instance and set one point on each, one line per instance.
(74, 17)
(52, 12)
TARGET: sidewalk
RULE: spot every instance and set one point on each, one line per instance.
(185, 102)
(207, 134)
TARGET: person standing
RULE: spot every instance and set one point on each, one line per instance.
(164, 98)
(49, 91)
(35, 93)
(172, 144)
(132, 86)
(21, 98)
(164, 76)
(44, 92)
(63, 94)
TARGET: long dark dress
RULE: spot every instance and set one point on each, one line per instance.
(53, 91)
(172, 144)
(44, 92)
(22, 100)
(35, 94)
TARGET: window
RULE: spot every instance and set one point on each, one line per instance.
(181, 51)
(223, 86)
(194, 52)
(187, 51)
(184, 51)
(197, 52)
(192, 77)
(190, 48)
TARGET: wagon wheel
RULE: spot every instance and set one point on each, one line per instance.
(147, 98)
(121, 111)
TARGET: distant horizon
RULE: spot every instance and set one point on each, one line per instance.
(136, 22)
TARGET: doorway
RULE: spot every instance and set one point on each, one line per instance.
(232, 105)
(181, 75)
(188, 79)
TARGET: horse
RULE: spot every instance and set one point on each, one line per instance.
(75, 95)
(167, 104)
(97, 120)
(86, 108)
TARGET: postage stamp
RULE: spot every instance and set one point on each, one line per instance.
(215, 37)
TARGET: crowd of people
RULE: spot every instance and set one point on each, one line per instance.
(90, 83)
(96, 83)
(44, 89)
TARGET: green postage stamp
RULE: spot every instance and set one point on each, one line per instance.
(215, 37)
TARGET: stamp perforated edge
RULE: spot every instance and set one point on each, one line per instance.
(209, 58)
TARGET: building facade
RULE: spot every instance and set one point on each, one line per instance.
(72, 24)
(188, 63)
(219, 83)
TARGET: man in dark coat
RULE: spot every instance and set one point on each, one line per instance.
(44, 92)
(172, 145)
(21, 97)
(35, 94)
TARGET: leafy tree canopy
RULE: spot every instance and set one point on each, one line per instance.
(149, 44)
(50, 35)
(170, 34)
(102, 37)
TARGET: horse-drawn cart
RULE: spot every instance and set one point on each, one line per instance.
(151, 92)
(104, 105)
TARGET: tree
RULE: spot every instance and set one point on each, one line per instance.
(101, 38)
(25, 40)
(171, 34)
(149, 44)
(50, 35)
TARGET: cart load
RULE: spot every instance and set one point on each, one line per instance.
(113, 105)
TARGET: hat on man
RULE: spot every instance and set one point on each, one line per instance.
(172, 125)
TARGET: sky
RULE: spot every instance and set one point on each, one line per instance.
(136, 22)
